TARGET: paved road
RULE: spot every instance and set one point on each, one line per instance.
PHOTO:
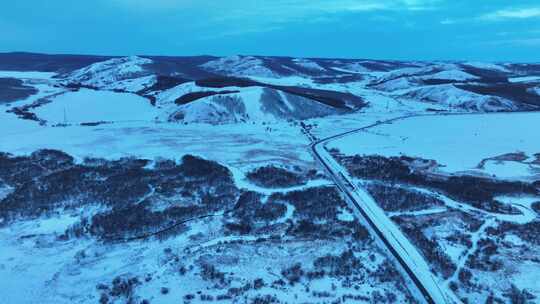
(428, 287)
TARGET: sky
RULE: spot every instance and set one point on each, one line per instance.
(481, 30)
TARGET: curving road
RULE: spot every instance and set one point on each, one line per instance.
(429, 289)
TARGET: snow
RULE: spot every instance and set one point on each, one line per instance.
(168, 97)
(524, 79)
(400, 83)
(399, 242)
(475, 237)
(115, 73)
(237, 145)
(308, 64)
(27, 75)
(525, 215)
(11, 125)
(451, 75)
(5, 190)
(345, 215)
(535, 90)
(527, 277)
(132, 85)
(487, 66)
(92, 106)
(514, 240)
(450, 96)
(405, 72)
(510, 169)
(242, 183)
(253, 104)
(523, 201)
(240, 66)
(458, 142)
(55, 224)
(355, 67)
(286, 81)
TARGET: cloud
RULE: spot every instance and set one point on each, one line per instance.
(155, 4)
(238, 17)
(498, 15)
(282, 6)
(448, 21)
(524, 42)
(279, 12)
(511, 13)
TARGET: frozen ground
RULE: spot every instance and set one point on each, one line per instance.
(443, 138)
(242, 145)
(302, 243)
(36, 254)
(93, 106)
(480, 251)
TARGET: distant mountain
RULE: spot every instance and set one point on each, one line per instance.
(269, 89)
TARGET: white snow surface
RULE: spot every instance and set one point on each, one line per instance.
(308, 64)
(27, 75)
(487, 66)
(254, 104)
(451, 75)
(524, 79)
(92, 106)
(240, 66)
(355, 67)
(126, 73)
(451, 96)
(458, 143)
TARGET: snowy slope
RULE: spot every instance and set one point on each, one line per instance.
(308, 64)
(126, 73)
(451, 96)
(457, 75)
(240, 66)
(488, 66)
(255, 104)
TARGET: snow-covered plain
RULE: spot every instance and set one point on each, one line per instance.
(31, 255)
(457, 142)
(501, 146)
(92, 106)
(27, 75)
(242, 145)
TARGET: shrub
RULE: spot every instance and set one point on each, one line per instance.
(274, 177)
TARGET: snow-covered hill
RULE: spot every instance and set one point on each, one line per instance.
(126, 74)
(223, 90)
(251, 104)
(167, 179)
(240, 66)
(448, 95)
(191, 103)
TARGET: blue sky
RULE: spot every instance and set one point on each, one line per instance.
(488, 30)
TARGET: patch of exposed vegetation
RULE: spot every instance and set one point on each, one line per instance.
(12, 89)
(477, 191)
(136, 200)
(394, 198)
(275, 177)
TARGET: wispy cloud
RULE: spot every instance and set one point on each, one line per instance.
(527, 42)
(263, 16)
(449, 21)
(511, 13)
(284, 6)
